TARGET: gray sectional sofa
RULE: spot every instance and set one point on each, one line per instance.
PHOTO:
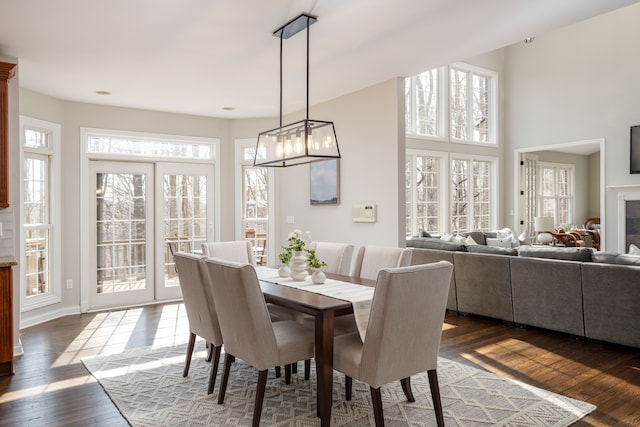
(572, 290)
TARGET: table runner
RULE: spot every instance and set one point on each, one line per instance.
(359, 296)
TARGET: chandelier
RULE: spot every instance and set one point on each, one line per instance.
(304, 141)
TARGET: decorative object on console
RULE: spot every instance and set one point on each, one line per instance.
(542, 225)
(304, 141)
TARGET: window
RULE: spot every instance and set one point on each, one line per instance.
(40, 171)
(471, 104)
(556, 192)
(424, 104)
(463, 202)
(424, 192)
(256, 184)
(471, 195)
(149, 146)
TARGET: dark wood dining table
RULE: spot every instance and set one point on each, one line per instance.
(324, 309)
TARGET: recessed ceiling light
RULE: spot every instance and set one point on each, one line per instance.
(228, 108)
(103, 92)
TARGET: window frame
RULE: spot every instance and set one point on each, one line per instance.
(556, 197)
(442, 194)
(493, 188)
(492, 132)
(51, 153)
(442, 106)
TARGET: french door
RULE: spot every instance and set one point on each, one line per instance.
(141, 213)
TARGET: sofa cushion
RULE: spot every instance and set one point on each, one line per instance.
(477, 236)
(615, 258)
(497, 250)
(434, 243)
(556, 252)
(501, 242)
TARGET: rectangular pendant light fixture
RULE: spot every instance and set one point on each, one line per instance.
(304, 141)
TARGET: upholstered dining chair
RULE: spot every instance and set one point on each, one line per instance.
(403, 334)
(338, 256)
(370, 259)
(247, 330)
(201, 312)
(236, 250)
(242, 251)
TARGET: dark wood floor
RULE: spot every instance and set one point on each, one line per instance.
(52, 388)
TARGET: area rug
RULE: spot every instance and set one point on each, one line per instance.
(147, 386)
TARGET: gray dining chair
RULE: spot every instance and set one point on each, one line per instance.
(369, 261)
(403, 335)
(338, 256)
(201, 312)
(247, 331)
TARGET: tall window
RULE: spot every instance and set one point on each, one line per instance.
(556, 192)
(471, 194)
(255, 204)
(424, 104)
(471, 99)
(465, 203)
(424, 192)
(471, 104)
(40, 173)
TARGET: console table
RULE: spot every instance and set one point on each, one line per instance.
(6, 316)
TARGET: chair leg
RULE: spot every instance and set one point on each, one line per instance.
(435, 395)
(278, 372)
(294, 368)
(406, 387)
(376, 399)
(209, 351)
(257, 409)
(348, 386)
(214, 366)
(287, 374)
(307, 369)
(228, 360)
(187, 362)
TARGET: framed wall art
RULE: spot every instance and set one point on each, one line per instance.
(324, 179)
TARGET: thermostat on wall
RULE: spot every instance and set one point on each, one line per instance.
(364, 213)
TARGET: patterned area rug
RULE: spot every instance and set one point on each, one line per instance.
(148, 388)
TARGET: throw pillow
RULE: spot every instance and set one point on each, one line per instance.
(524, 238)
(633, 250)
(458, 239)
(469, 241)
(501, 243)
(446, 237)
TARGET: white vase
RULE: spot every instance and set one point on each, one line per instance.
(284, 270)
(318, 277)
(298, 266)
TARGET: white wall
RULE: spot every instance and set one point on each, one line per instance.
(371, 142)
(577, 83)
(372, 148)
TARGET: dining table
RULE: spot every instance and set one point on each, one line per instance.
(324, 310)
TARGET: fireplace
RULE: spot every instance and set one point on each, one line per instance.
(628, 216)
(632, 226)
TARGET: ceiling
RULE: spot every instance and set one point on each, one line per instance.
(202, 56)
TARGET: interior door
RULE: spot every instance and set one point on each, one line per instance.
(184, 208)
(122, 236)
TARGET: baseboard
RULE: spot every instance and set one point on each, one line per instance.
(27, 320)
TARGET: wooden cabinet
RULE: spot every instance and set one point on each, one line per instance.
(6, 318)
(7, 71)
